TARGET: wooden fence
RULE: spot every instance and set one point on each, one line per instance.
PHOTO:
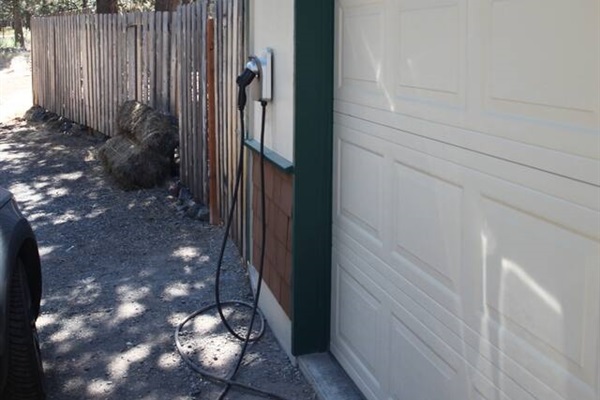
(86, 65)
(230, 58)
(190, 60)
(183, 63)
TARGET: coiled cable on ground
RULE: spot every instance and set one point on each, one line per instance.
(228, 380)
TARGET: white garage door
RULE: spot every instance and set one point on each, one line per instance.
(466, 198)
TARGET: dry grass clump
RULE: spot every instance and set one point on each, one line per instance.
(133, 166)
(140, 154)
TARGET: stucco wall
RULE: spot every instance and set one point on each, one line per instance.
(272, 25)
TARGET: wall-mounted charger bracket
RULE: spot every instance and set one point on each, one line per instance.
(262, 88)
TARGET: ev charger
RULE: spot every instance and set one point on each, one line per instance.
(262, 88)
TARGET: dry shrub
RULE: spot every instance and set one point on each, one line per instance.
(158, 134)
(131, 114)
(133, 166)
(149, 128)
(140, 155)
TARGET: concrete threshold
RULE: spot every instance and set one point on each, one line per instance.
(327, 377)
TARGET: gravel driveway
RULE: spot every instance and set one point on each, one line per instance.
(121, 269)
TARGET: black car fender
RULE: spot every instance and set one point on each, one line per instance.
(17, 240)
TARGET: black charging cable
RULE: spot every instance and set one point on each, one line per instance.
(243, 81)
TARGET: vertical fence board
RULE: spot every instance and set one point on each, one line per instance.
(158, 55)
(72, 61)
(181, 91)
(174, 55)
(165, 62)
(210, 123)
(193, 101)
(95, 71)
(186, 92)
(110, 72)
(152, 60)
(93, 75)
(131, 34)
(119, 67)
(103, 109)
(203, 106)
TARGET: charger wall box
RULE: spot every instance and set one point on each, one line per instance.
(262, 88)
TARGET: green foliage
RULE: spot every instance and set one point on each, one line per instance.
(30, 8)
(136, 5)
(12, 11)
(7, 38)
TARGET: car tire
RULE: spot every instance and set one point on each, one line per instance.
(25, 379)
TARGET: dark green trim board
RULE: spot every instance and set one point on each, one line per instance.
(313, 153)
(275, 158)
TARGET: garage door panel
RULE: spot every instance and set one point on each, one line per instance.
(358, 324)
(400, 278)
(500, 388)
(533, 377)
(424, 368)
(396, 325)
(538, 279)
(413, 222)
(467, 205)
(430, 55)
(527, 69)
(512, 166)
(360, 44)
(428, 222)
(359, 172)
(532, 68)
(513, 365)
(358, 320)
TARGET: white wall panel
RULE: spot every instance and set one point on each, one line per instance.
(272, 25)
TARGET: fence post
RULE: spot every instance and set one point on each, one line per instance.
(210, 109)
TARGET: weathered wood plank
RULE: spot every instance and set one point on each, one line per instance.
(152, 60)
(138, 57)
(181, 90)
(103, 75)
(131, 53)
(165, 62)
(193, 104)
(91, 69)
(213, 204)
(158, 64)
(203, 165)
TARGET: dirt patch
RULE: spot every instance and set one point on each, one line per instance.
(121, 269)
(15, 83)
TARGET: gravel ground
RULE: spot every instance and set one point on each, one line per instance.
(121, 269)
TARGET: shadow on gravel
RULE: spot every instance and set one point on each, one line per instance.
(121, 269)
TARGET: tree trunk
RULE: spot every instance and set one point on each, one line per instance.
(166, 5)
(107, 7)
(18, 24)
